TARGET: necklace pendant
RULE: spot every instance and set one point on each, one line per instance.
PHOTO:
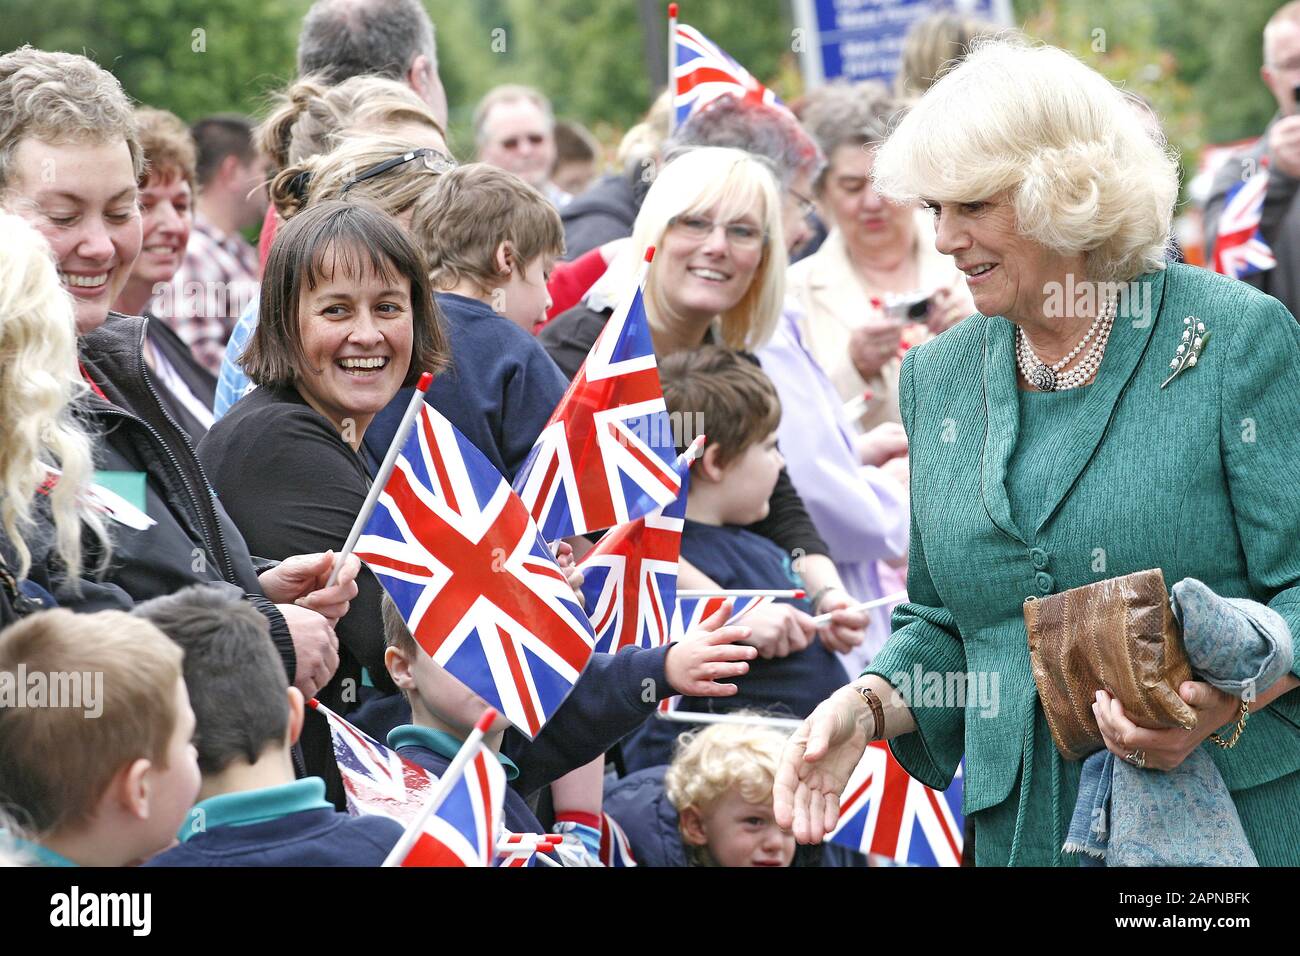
(1043, 378)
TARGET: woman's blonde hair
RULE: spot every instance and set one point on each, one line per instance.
(723, 757)
(323, 177)
(310, 117)
(1085, 175)
(732, 183)
(38, 385)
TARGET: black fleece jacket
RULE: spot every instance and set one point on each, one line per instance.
(194, 541)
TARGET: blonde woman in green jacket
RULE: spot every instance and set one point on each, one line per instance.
(1051, 448)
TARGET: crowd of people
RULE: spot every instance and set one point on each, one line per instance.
(850, 296)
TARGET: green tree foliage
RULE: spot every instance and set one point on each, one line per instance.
(1198, 60)
(193, 57)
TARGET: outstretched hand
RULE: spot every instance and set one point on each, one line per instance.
(708, 654)
(816, 764)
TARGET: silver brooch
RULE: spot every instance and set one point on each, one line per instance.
(1189, 349)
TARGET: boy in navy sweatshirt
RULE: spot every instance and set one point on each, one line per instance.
(490, 240)
(730, 487)
(251, 810)
(613, 696)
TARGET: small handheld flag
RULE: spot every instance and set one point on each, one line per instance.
(462, 560)
(460, 822)
(630, 576)
(885, 811)
(606, 456)
(1239, 247)
(702, 72)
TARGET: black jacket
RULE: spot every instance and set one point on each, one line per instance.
(570, 337)
(194, 540)
(604, 212)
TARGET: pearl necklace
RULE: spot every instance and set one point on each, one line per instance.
(1047, 378)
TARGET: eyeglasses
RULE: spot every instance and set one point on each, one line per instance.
(433, 160)
(806, 206)
(742, 235)
(512, 143)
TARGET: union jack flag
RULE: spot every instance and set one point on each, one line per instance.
(462, 560)
(606, 456)
(630, 576)
(614, 847)
(690, 613)
(463, 830)
(704, 72)
(516, 850)
(376, 780)
(884, 811)
(1239, 246)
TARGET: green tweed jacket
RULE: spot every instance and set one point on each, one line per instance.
(1200, 478)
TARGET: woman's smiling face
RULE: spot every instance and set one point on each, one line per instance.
(355, 326)
(1007, 272)
(701, 274)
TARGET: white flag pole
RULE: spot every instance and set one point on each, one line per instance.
(381, 478)
(445, 784)
(687, 717)
(821, 620)
(672, 66)
(795, 593)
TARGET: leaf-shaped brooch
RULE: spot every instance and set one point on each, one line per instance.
(1189, 349)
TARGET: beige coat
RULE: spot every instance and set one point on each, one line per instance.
(834, 300)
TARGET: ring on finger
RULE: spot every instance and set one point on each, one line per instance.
(1137, 758)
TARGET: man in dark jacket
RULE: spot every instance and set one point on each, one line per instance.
(606, 211)
(1279, 150)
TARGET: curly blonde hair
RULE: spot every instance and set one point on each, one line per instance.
(1085, 176)
(38, 385)
(722, 757)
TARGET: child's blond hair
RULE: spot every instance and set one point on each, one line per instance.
(723, 757)
(57, 761)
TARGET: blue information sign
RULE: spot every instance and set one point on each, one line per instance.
(863, 39)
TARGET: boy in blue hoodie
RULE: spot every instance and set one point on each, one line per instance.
(490, 240)
(251, 810)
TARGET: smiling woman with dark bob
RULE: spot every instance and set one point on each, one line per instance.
(1061, 436)
(347, 320)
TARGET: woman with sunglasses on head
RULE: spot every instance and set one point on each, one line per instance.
(311, 118)
(715, 218)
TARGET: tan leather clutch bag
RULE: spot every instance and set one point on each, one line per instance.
(1118, 635)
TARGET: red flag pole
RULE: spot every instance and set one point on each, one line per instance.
(672, 66)
(446, 782)
(381, 478)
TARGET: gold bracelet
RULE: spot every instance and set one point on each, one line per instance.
(877, 712)
(1236, 734)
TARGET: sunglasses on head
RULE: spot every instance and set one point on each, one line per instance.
(433, 160)
(513, 142)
